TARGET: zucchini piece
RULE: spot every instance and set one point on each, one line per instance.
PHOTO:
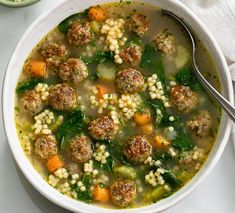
(125, 172)
(182, 57)
(106, 71)
(155, 194)
(183, 176)
(95, 26)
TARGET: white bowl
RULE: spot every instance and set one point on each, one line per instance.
(40, 27)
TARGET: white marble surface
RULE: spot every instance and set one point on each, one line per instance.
(215, 194)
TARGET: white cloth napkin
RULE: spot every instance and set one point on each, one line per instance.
(219, 17)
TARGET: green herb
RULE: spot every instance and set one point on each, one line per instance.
(171, 179)
(186, 77)
(27, 85)
(64, 25)
(99, 57)
(183, 142)
(70, 127)
(85, 195)
(152, 61)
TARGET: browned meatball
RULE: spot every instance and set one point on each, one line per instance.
(53, 50)
(103, 128)
(137, 149)
(73, 69)
(139, 24)
(165, 42)
(80, 34)
(53, 53)
(131, 54)
(200, 124)
(81, 149)
(46, 146)
(32, 101)
(62, 97)
(129, 81)
(183, 99)
(123, 192)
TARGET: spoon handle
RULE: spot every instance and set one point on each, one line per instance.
(228, 107)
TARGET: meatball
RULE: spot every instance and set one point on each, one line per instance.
(81, 149)
(32, 101)
(53, 50)
(183, 99)
(53, 53)
(129, 81)
(139, 24)
(137, 149)
(80, 34)
(46, 146)
(62, 97)
(73, 69)
(200, 124)
(131, 54)
(165, 42)
(103, 128)
(123, 192)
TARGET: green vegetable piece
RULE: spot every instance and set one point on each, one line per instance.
(171, 179)
(107, 167)
(182, 57)
(183, 176)
(106, 71)
(85, 195)
(183, 142)
(186, 77)
(152, 61)
(95, 26)
(125, 172)
(156, 105)
(27, 85)
(99, 57)
(70, 127)
(64, 25)
(155, 194)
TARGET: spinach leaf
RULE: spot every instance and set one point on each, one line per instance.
(107, 167)
(171, 179)
(183, 142)
(85, 195)
(162, 156)
(162, 118)
(99, 57)
(27, 85)
(70, 127)
(134, 40)
(64, 25)
(152, 61)
(186, 77)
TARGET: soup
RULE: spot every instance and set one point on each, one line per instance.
(108, 110)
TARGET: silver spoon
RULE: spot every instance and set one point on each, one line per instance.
(228, 108)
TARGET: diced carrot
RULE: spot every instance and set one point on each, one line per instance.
(97, 13)
(37, 68)
(101, 91)
(147, 129)
(142, 118)
(101, 194)
(54, 163)
(160, 142)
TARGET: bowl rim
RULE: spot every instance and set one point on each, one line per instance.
(52, 194)
(18, 4)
